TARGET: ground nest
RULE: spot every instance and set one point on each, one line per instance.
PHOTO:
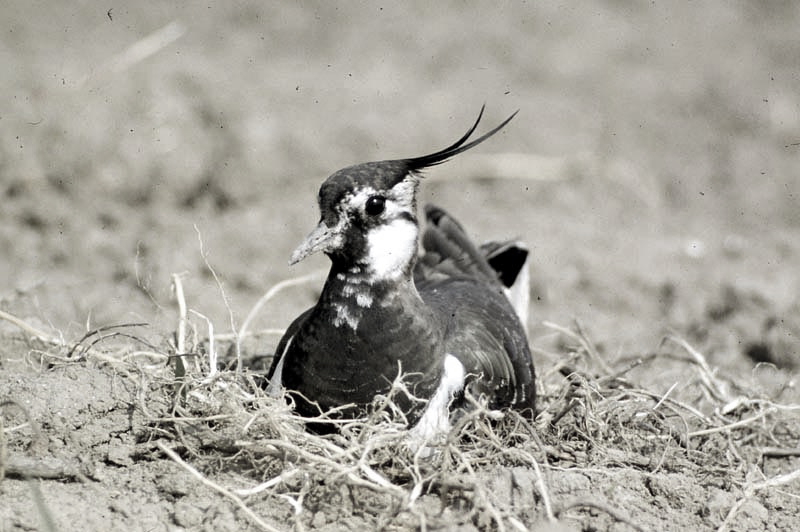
(605, 446)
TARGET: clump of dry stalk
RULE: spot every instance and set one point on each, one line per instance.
(593, 413)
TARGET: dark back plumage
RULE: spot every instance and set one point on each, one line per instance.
(483, 331)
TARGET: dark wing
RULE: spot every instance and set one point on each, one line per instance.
(449, 252)
(455, 278)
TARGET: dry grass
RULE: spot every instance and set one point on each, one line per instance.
(228, 434)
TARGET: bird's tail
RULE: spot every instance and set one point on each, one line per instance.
(510, 260)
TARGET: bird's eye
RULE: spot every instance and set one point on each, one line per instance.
(375, 205)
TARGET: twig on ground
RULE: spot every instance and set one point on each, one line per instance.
(101, 337)
(664, 397)
(719, 390)
(731, 426)
(24, 467)
(750, 490)
(614, 513)
(180, 341)
(778, 480)
(481, 499)
(30, 329)
(14, 466)
(219, 489)
(777, 452)
(583, 340)
(225, 300)
(212, 349)
(271, 483)
(46, 516)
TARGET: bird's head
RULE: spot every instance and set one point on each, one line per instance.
(368, 223)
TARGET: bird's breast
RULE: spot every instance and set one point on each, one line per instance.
(358, 340)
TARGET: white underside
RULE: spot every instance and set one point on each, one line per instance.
(435, 421)
(275, 386)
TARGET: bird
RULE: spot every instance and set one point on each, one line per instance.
(442, 318)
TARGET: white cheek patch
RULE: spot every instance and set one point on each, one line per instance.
(392, 243)
(391, 247)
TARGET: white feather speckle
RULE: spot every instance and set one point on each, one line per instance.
(344, 317)
(364, 299)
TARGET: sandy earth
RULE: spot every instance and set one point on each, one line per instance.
(653, 169)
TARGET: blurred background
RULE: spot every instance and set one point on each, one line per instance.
(653, 167)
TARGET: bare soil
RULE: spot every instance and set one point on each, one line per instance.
(653, 169)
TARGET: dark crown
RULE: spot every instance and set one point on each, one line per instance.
(383, 175)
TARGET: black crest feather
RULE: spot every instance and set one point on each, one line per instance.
(418, 163)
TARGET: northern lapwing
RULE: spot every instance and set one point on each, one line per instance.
(445, 321)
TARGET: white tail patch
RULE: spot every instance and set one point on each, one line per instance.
(519, 295)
